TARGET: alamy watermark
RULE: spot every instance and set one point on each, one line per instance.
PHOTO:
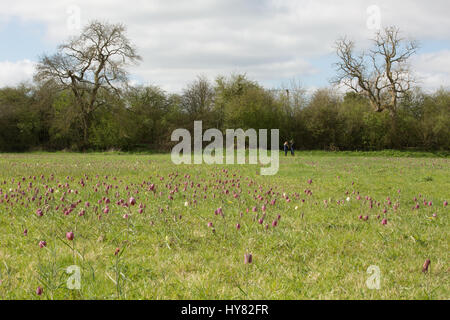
(73, 21)
(214, 152)
(74, 281)
(373, 21)
(373, 282)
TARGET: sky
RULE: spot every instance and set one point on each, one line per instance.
(271, 41)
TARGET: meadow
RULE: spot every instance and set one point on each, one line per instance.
(135, 226)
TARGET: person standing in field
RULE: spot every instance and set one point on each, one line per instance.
(286, 148)
(292, 146)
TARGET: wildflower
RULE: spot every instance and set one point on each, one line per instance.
(69, 235)
(426, 265)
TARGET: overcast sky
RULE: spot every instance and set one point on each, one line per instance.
(272, 42)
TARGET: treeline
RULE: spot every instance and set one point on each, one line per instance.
(44, 117)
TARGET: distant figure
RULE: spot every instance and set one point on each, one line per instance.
(286, 148)
(292, 146)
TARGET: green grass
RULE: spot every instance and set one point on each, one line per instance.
(317, 251)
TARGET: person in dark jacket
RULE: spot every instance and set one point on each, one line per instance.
(286, 148)
(292, 146)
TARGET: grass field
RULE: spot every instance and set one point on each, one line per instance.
(302, 227)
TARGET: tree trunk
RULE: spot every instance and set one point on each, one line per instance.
(85, 124)
(394, 129)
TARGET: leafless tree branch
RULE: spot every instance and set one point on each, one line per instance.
(87, 64)
(382, 74)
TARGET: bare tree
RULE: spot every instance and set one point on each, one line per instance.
(294, 95)
(382, 74)
(88, 64)
(198, 98)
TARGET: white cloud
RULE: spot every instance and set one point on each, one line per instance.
(433, 69)
(272, 39)
(12, 73)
